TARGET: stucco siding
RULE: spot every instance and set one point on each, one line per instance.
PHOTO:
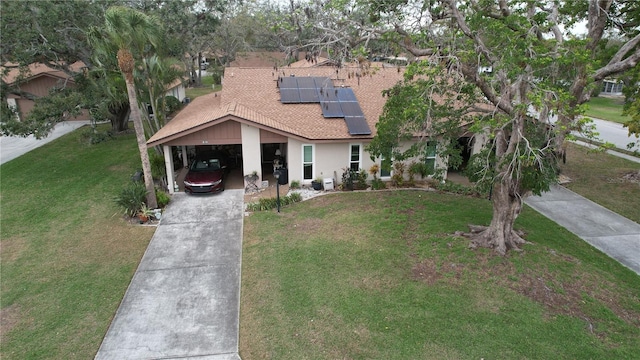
(251, 158)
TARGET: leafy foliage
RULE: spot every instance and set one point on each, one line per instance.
(354, 180)
(172, 104)
(132, 197)
(271, 203)
(163, 198)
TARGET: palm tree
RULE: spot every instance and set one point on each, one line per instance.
(134, 34)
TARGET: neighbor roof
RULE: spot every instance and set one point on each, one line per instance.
(37, 69)
(251, 94)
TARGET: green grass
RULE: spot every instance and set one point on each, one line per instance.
(598, 176)
(206, 88)
(606, 108)
(67, 254)
(376, 276)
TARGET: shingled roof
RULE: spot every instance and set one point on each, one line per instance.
(251, 95)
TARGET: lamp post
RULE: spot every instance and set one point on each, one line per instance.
(276, 174)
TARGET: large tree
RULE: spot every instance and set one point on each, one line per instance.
(50, 33)
(526, 102)
(132, 36)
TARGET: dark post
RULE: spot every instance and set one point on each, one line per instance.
(276, 174)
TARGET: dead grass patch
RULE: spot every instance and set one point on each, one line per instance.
(12, 248)
(9, 317)
(559, 297)
(374, 283)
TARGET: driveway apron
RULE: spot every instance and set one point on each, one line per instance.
(184, 299)
(607, 231)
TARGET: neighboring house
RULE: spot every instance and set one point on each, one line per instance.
(319, 119)
(612, 87)
(38, 81)
(41, 78)
(176, 89)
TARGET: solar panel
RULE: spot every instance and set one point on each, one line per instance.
(288, 83)
(306, 83)
(357, 125)
(351, 108)
(331, 109)
(329, 94)
(309, 95)
(289, 96)
(346, 94)
(323, 82)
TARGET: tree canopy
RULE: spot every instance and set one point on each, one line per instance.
(512, 72)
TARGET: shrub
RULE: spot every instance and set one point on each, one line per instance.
(172, 104)
(418, 168)
(295, 184)
(272, 203)
(294, 198)
(158, 169)
(398, 174)
(455, 188)
(132, 197)
(377, 184)
(162, 198)
(352, 179)
(361, 180)
(94, 136)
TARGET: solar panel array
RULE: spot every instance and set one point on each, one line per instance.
(334, 102)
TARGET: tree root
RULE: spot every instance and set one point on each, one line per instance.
(487, 237)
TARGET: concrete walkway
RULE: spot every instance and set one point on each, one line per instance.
(13, 146)
(607, 231)
(184, 299)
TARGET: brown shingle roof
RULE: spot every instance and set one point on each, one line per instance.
(37, 69)
(255, 98)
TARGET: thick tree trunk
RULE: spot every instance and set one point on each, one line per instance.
(152, 202)
(120, 119)
(499, 235)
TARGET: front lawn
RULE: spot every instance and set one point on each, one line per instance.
(604, 179)
(378, 275)
(67, 255)
(607, 108)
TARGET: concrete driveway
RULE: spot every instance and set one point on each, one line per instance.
(183, 301)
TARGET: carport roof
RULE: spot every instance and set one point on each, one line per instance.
(251, 95)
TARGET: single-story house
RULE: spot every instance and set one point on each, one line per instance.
(38, 81)
(318, 119)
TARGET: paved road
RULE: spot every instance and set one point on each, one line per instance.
(13, 146)
(614, 133)
(184, 299)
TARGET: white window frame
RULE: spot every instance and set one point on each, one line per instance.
(359, 145)
(433, 157)
(313, 161)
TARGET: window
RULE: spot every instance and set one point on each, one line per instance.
(354, 157)
(385, 167)
(307, 162)
(430, 156)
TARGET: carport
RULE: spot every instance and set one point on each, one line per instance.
(225, 129)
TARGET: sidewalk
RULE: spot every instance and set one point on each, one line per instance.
(607, 231)
(13, 146)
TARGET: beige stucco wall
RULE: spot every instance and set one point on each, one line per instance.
(251, 160)
(330, 159)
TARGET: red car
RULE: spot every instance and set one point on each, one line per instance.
(206, 175)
